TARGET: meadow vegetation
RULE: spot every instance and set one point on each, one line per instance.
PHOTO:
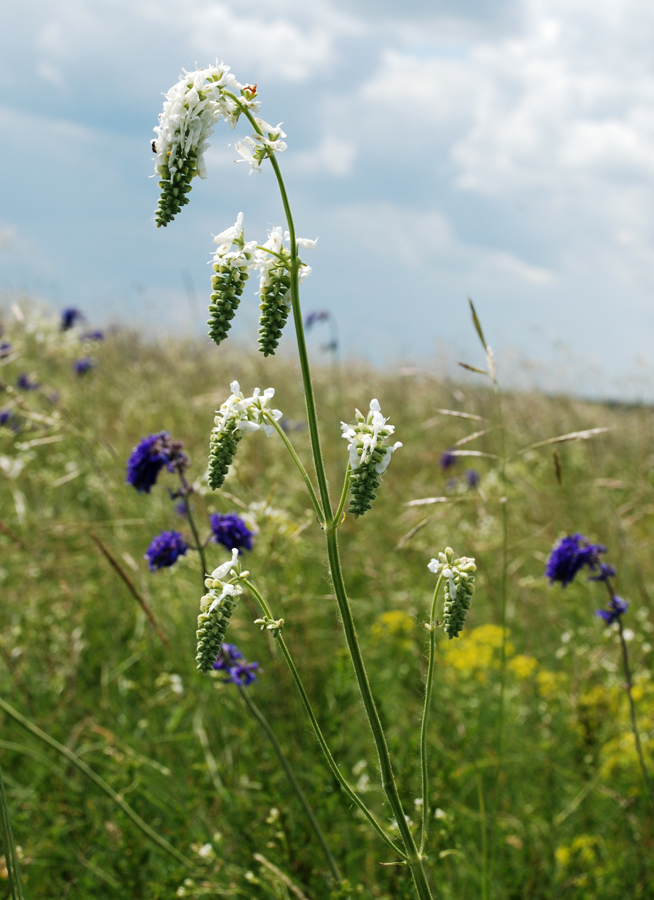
(556, 809)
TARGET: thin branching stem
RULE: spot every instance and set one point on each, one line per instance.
(424, 726)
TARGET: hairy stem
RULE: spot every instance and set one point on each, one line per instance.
(425, 720)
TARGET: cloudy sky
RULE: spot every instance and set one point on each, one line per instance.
(503, 151)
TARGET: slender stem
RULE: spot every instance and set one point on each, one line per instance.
(632, 713)
(8, 845)
(319, 735)
(484, 839)
(191, 522)
(414, 860)
(341, 504)
(298, 462)
(304, 803)
(425, 719)
(81, 765)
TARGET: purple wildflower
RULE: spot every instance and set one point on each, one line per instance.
(9, 419)
(231, 531)
(180, 508)
(165, 549)
(149, 457)
(318, 315)
(447, 460)
(93, 336)
(606, 572)
(230, 660)
(69, 317)
(472, 478)
(5, 349)
(617, 607)
(25, 383)
(569, 556)
(83, 365)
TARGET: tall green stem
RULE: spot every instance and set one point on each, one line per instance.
(319, 735)
(191, 521)
(424, 768)
(632, 714)
(11, 857)
(281, 756)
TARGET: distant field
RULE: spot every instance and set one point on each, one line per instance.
(561, 813)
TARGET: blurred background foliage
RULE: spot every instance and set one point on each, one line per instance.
(561, 814)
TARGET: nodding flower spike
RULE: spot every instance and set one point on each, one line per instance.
(216, 609)
(369, 456)
(273, 262)
(459, 588)
(232, 269)
(191, 109)
(237, 415)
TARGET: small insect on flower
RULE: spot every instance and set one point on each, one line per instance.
(230, 531)
(369, 455)
(569, 556)
(165, 550)
(617, 607)
(149, 457)
(230, 660)
(70, 317)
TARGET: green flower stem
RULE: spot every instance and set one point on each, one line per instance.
(191, 522)
(81, 765)
(632, 714)
(281, 756)
(413, 858)
(319, 735)
(425, 719)
(303, 472)
(7, 834)
(343, 500)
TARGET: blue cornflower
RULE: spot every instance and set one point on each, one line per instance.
(569, 556)
(230, 660)
(93, 336)
(447, 460)
(318, 315)
(165, 550)
(69, 317)
(5, 349)
(231, 531)
(149, 457)
(25, 383)
(83, 365)
(617, 607)
(472, 478)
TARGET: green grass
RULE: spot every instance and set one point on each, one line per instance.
(562, 814)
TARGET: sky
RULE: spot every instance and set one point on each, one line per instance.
(457, 148)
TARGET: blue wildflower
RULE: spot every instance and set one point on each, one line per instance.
(617, 607)
(69, 317)
(93, 336)
(569, 556)
(231, 531)
(472, 478)
(230, 660)
(149, 457)
(165, 550)
(9, 419)
(83, 365)
(5, 349)
(25, 383)
(605, 572)
(318, 315)
(447, 460)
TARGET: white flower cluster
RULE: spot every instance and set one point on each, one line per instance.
(366, 439)
(191, 109)
(247, 413)
(268, 258)
(218, 588)
(459, 588)
(256, 148)
(244, 255)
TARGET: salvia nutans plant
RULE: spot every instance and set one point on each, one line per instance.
(192, 108)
